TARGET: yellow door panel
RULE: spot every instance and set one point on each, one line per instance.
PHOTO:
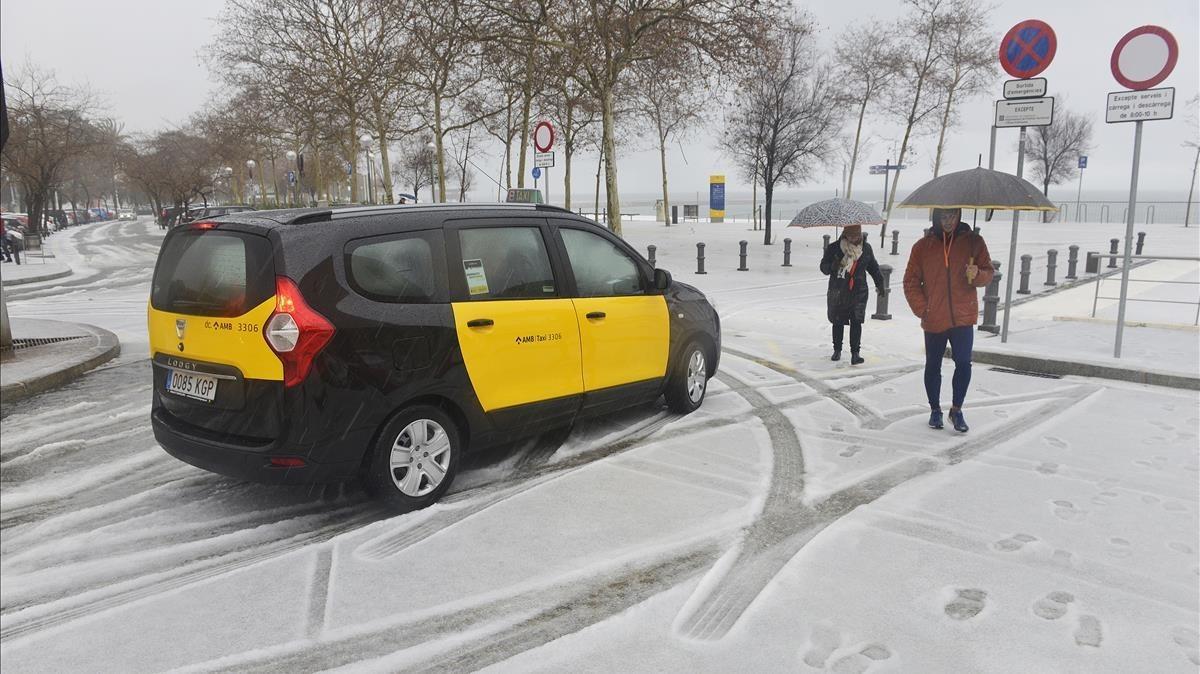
(529, 353)
(236, 341)
(628, 344)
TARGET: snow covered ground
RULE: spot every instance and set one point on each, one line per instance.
(804, 519)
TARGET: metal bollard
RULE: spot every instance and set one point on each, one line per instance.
(700, 258)
(881, 302)
(787, 252)
(1026, 263)
(895, 242)
(1051, 265)
(826, 240)
(652, 249)
(742, 254)
(991, 301)
(1112, 261)
(1140, 242)
(1072, 262)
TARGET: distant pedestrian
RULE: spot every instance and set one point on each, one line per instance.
(847, 262)
(945, 268)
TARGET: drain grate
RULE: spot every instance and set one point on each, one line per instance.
(40, 341)
(1027, 373)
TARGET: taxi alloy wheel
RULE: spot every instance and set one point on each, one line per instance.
(415, 458)
(688, 384)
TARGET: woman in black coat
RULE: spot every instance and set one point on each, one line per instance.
(847, 262)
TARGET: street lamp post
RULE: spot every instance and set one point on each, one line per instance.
(365, 139)
(250, 164)
(227, 171)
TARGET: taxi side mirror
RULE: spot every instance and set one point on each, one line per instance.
(662, 279)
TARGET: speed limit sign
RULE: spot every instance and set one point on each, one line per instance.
(543, 136)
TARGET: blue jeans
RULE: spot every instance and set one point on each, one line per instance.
(961, 340)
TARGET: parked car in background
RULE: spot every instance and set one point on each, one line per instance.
(126, 214)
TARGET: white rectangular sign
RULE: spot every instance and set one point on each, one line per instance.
(1140, 106)
(543, 159)
(1032, 88)
(1025, 112)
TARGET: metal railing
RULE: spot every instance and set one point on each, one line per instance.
(1101, 277)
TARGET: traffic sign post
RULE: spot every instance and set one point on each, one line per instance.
(1142, 59)
(1078, 192)
(885, 170)
(1026, 50)
(543, 143)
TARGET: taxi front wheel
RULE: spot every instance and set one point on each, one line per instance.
(689, 381)
(415, 459)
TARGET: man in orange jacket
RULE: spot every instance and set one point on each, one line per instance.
(944, 269)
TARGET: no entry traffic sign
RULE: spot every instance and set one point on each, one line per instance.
(1144, 57)
(543, 136)
(1028, 48)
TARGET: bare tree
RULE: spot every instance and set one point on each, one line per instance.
(917, 98)
(967, 62)
(48, 130)
(606, 37)
(573, 111)
(668, 97)
(1054, 149)
(867, 64)
(783, 125)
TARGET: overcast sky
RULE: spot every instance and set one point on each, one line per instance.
(144, 58)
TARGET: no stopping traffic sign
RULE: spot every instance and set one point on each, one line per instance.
(1028, 48)
(543, 136)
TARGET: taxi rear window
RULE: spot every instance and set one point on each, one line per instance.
(210, 273)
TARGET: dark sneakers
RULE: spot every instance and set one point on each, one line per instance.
(960, 424)
(935, 419)
(837, 355)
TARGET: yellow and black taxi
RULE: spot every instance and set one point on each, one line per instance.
(304, 346)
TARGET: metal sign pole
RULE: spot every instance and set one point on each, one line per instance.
(1012, 246)
(1133, 181)
(992, 151)
(1078, 193)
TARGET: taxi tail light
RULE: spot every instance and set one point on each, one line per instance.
(204, 224)
(285, 462)
(295, 332)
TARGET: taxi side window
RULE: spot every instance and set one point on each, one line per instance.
(400, 269)
(506, 263)
(601, 268)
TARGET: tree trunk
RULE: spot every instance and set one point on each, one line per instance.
(438, 149)
(1046, 193)
(596, 207)
(1191, 188)
(662, 156)
(385, 169)
(941, 144)
(526, 104)
(462, 176)
(862, 111)
(353, 161)
(754, 202)
(568, 147)
(612, 200)
(891, 198)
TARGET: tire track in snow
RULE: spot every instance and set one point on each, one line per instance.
(864, 414)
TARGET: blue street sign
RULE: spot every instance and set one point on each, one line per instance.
(1083, 161)
(537, 173)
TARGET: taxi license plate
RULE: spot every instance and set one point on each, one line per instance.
(191, 385)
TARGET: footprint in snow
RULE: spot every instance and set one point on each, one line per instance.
(1162, 425)
(1003, 414)
(1104, 498)
(1120, 548)
(1062, 556)
(1149, 500)
(860, 662)
(1066, 511)
(823, 641)
(1016, 542)
(1174, 507)
(850, 451)
(966, 604)
(837, 428)
(1177, 546)
(1057, 443)
(889, 390)
(1054, 605)
(1187, 639)
(1047, 468)
(1089, 632)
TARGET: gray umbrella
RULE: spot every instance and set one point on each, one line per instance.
(836, 213)
(979, 188)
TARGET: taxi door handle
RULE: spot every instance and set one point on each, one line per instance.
(596, 315)
(480, 323)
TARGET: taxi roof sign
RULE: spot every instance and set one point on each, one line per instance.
(518, 195)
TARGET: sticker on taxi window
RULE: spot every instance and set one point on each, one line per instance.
(476, 279)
